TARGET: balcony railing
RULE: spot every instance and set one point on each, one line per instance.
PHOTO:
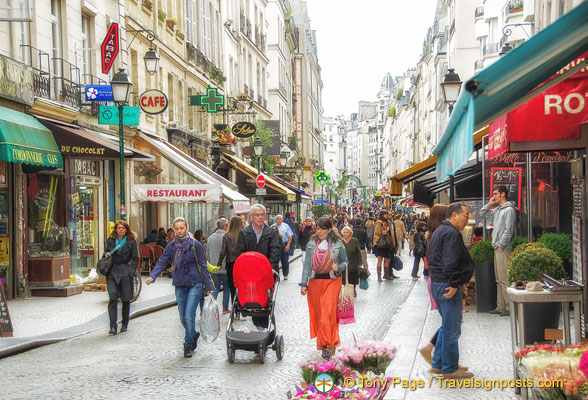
(249, 29)
(68, 82)
(490, 49)
(191, 53)
(94, 106)
(265, 103)
(259, 100)
(251, 94)
(479, 12)
(478, 65)
(243, 24)
(246, 90)
(41, 64)
(282, 90)
(202, 62)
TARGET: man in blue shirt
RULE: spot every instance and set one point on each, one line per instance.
(287, 236)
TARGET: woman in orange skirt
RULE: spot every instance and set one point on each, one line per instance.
(324, 262)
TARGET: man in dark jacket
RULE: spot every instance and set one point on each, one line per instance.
(260, 238)
(450, 268)
(307, 231)
(361, 235)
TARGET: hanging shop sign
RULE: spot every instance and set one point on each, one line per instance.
(108, 115)
(99, 93)
(243, 130)
(153, 102)
(110, 47)
(177, 193)
(16, 81)
(497, 138)
(241, 207)
(85, 167)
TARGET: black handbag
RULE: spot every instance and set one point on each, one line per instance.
(104, 266)
(396, 263)
(384, 242)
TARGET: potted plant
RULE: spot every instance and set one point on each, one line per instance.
(161, 14)
(180, 34)
(561, 244)
(483, 255)
(519, 240)
(148, 4)
(525, 264)
(171, 22)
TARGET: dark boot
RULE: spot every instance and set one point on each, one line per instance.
(195, 344)
(187, 352)
(112, 330)
(123, 327)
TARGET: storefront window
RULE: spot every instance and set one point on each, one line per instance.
(47, 235)
(83, 245)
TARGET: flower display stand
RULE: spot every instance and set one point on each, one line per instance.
(518, 298)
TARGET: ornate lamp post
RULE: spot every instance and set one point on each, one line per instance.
(258, 149)
(283, 161)
(151, 59)
(299, 174)
(450, 88)
(121, 86)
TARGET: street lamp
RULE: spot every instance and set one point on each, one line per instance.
(505, 49)
(283, 161)
(450, 88)
(151, 59)
(121, 86)
(258, 149)
(299, 174)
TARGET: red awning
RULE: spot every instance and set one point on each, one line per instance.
(556, 114)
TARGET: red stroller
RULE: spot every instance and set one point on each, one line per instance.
(256, 297)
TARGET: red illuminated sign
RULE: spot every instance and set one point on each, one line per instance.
(109, 48)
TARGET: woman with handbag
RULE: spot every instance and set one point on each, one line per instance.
(321, 279)
(229, 251)
(384, 244)
(122, 247)
(354, 259)
(191, 279)
(420, 248)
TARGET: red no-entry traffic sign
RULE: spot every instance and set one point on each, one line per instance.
(260, 180)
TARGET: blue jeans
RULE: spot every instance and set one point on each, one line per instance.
(446, 356)
(217, 278)
(188, 299)
(285, 259)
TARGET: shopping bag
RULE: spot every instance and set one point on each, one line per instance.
(104, 266)
(209, 321)
(345, 306)
(363, 283)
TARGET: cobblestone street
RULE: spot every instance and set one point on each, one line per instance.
(147, 361)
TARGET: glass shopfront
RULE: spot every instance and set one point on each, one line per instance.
(5, 270)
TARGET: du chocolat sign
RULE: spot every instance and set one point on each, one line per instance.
(16, 81)
(243, 130)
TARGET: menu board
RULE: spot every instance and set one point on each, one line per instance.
(5, 322)
(577, 197)
(577, 249)
(509, 178)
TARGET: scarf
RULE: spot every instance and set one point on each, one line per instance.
(322, 258)
(181, 245)
(119, 244)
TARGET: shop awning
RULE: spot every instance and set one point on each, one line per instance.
(25, 140)
(304, 198)
(76, 141)
(425, 167)
(197, 170)
(509, 82)
(252, 173)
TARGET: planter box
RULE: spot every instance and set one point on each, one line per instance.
(485, 287)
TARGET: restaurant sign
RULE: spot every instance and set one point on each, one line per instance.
(243, 130)
(16, 81)
(177, 193)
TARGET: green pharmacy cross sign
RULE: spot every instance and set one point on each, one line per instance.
(211, 101)
(322, 178)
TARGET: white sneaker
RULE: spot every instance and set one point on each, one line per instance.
(285, 278)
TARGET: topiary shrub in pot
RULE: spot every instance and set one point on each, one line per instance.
(561, 244)
(525, 264)
(483, 255)
(519, 240)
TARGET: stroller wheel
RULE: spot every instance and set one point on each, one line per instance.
(279, 346)
(261, 354)
(231, 353)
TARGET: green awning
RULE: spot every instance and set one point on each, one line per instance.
(499, 88)
(25, 140)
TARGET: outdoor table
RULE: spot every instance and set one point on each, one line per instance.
(517, 300)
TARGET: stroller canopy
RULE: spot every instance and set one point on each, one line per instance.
(253, 276)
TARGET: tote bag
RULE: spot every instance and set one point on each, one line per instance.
(345, 305)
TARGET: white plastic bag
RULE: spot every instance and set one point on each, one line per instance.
(209, 320)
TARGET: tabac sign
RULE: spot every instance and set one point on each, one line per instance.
(109, 48)
(16, 81)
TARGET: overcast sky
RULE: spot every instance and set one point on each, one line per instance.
(359, 41)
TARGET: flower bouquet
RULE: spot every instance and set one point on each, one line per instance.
(557, 372)
(354, 387)
(368, 355)
(311, 369)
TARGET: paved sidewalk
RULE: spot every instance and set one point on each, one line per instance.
(38, 321)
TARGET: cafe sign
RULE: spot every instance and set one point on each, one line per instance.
(243, 130)
(16, 81)
(153, 102)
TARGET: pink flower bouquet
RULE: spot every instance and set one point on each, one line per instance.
(368, 355)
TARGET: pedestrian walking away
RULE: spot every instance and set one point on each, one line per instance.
(384, 244)
(450, 268)
(400, 230)
(191, 279)
(122, 247)
(354, 260)
(215, 244)
(420, 249)
(361, 235)
(505, 218)
(228, 253)
(325, 261)
(263, 239)
(287, 239)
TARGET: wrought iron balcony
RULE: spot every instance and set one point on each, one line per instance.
(92, 107)
(246, 90)
(243, 24)
(478, 65)
(479, 12)
(190, 53)
(41, 64)
(490, 49)
(68, 82)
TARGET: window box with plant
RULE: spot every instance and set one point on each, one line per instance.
(179, 34)
(483, 255)
(515, 6)
(171, 23)
(161, 15)
(148, 4)
(525, 264)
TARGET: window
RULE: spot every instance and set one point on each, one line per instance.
(86, 45)
(191, 22)
(204, 28)
(56, 44)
